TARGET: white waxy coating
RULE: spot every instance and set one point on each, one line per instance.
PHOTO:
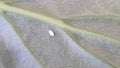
(51, 33)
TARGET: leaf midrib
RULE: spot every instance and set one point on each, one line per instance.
(55, 22)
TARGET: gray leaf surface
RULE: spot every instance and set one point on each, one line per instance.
(25, 42)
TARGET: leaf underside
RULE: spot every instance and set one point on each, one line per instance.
(76, 43)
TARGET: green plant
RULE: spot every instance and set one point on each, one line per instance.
(60, 23)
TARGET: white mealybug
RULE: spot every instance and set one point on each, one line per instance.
(51, 33)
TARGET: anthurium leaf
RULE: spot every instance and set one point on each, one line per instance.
(90, 41)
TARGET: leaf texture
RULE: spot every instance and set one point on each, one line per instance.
(78, 42)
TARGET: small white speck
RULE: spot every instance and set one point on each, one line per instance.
(51, 33)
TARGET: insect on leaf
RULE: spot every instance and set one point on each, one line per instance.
(59, 34)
